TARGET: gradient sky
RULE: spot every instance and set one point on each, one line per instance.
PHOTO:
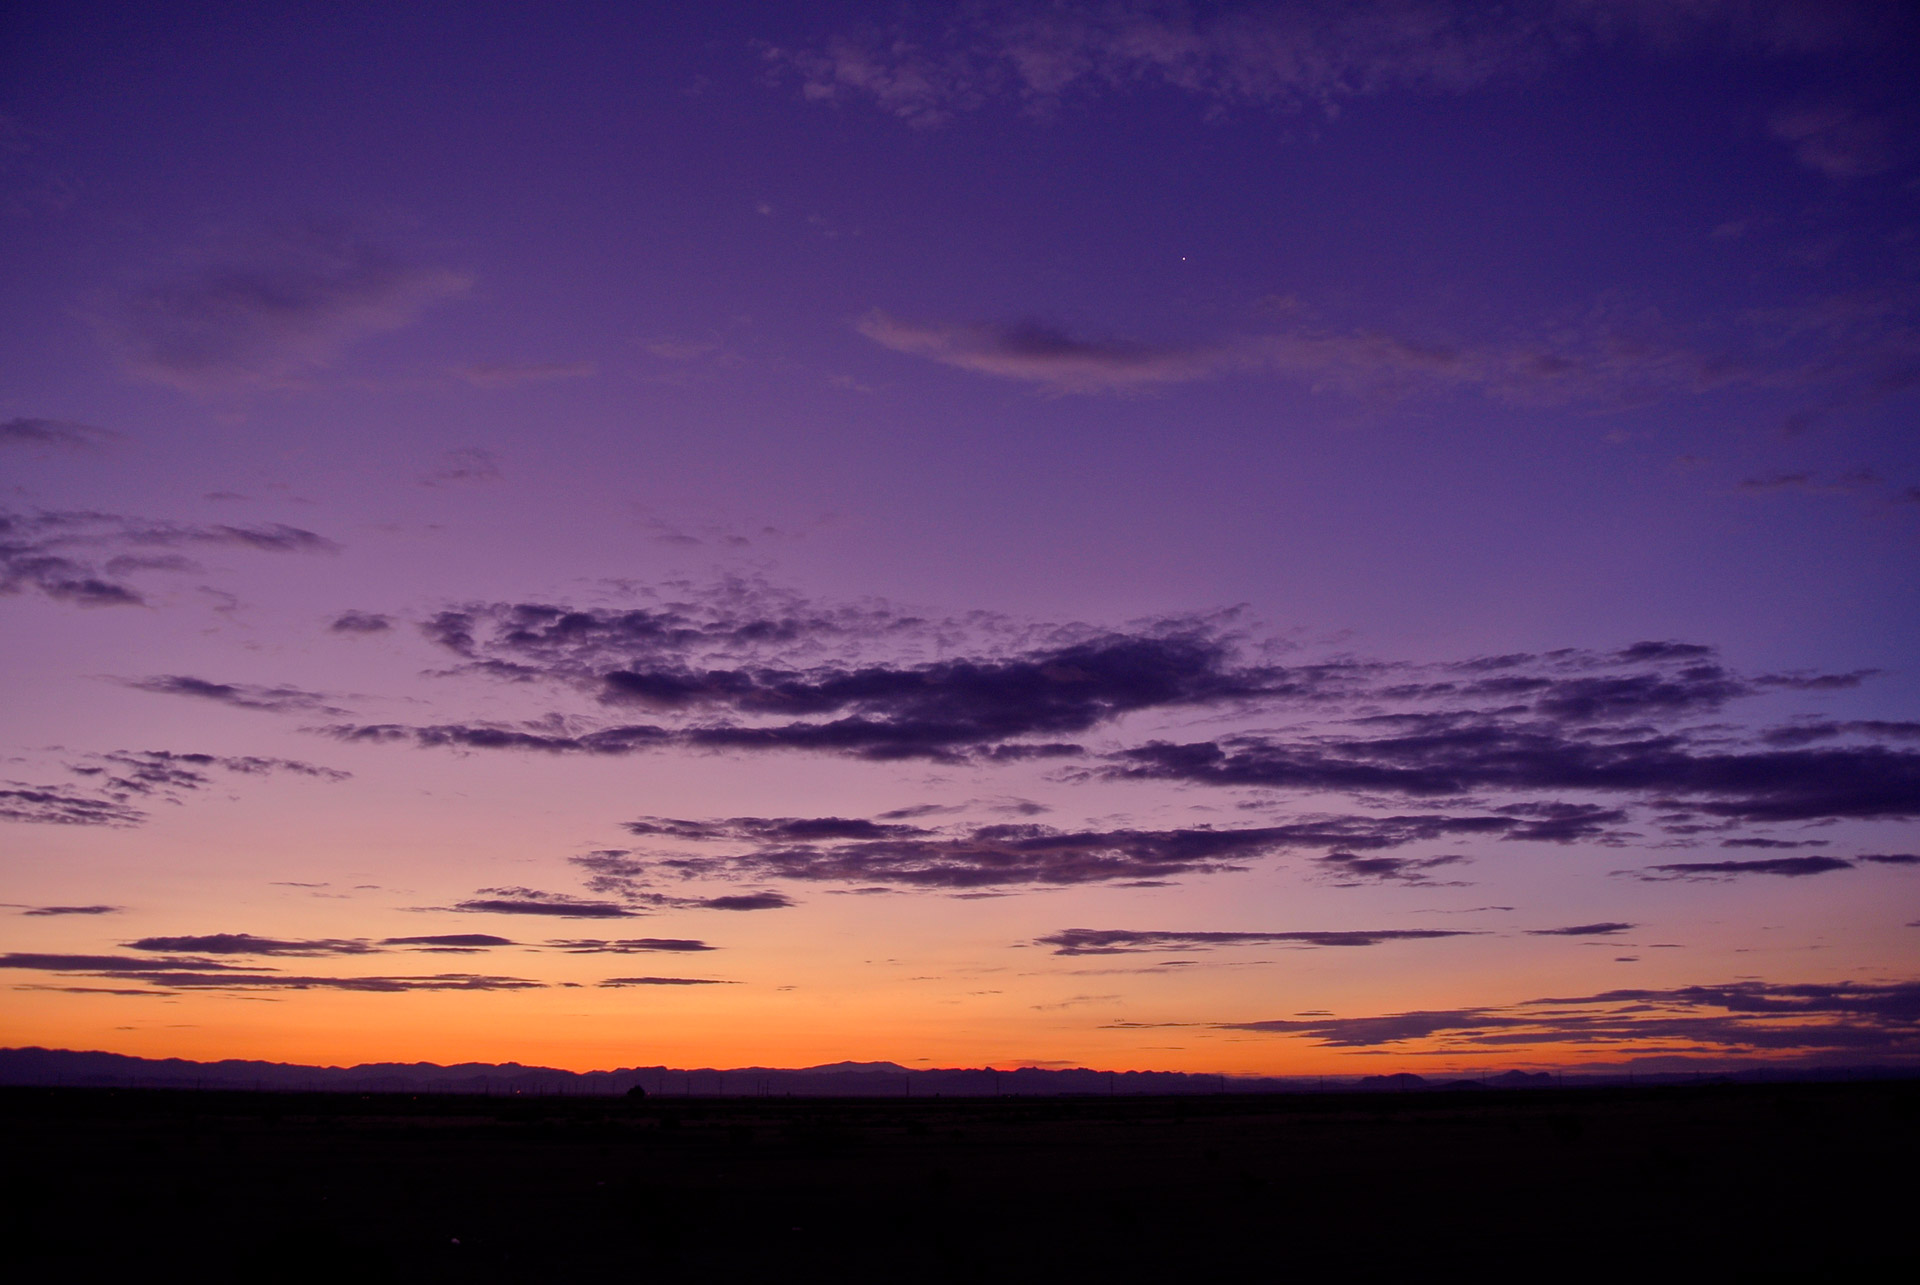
(1286, 538)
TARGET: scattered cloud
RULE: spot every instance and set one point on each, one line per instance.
(269, 313)
(71, 910)
(62, 805)
(1126, 941)
(172, 974)
(857, 851)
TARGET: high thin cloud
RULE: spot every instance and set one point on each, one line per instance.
(1606, 928)
(270, 313)
(89, 559)
(513, 375)
(1604, 358)
(1839, 1020)
(49, 911)
(177, 973)
(1298, 54)
(666, 981)
(1126, 941)
(275, 699)
(62, 433)
(629, 945)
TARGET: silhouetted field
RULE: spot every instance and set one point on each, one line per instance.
(1728, 1180)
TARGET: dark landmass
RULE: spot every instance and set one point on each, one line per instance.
(63, 1067)
(1721, 1180)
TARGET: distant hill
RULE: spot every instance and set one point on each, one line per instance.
(63, 1067)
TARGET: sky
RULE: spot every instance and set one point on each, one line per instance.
(1260, 538)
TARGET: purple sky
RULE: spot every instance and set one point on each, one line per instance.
(1253, 537)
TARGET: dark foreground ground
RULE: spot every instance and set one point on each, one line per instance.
(1716, 1181)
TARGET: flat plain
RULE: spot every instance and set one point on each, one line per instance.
(1735, 1180)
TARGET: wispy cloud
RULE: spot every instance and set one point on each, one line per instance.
(270, 312)
(87, 558)
(934, 64)
(1127, 941)
(272, 699)
(1748, 1018)
(513, 374)
(60, 433)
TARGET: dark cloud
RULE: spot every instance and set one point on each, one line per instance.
(450, 941)
(1788, 867)
(1351, 870)
(248, 944)
(998, 855)
(743, 901)
(377, 985)
(530, 901)
(64, 433)
(1774, 844)
(360, 622)
(1603, 929)
(62, 805)
(189, 973)
(1891, 858)
(628, 946)
(278, 699)
(666, 981)
(1845, 1019)
(53, 963)
(755, 670)
(86, 557)
(270, 312)
(861, 851)
(1765, 785)
(1126, 941)
(73, 910)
